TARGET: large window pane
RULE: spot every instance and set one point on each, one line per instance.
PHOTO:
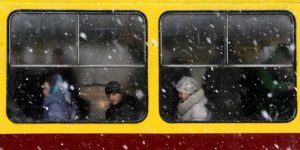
(68, 82)
(112, 39)
(192, 38)
(255, 37)
(36, 38)
(234, 94)
(254, 81)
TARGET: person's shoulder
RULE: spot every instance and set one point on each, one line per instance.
(129, 99)
(199, 106)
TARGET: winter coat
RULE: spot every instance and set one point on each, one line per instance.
(193, 109)
(59, 106)
(128, 109)
(56, 108)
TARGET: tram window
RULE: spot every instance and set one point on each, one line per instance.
(197, 42)
(77, 67)
(255, 80)
(254, 38)
(30, 32)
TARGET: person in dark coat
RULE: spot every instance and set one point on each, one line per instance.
(123, 107)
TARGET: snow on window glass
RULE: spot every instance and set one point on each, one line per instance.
(43, 38)
(192, 38)
(112, 39)
(77, 67)
(254, 39)
(250, 79)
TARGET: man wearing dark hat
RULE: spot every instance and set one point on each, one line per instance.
(123, 107)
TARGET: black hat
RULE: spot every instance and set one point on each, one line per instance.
(113, 87)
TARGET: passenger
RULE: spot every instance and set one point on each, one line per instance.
(192, 106)
(57, 101)
(123, 107)
(278, 87)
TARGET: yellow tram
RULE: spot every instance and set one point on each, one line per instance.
(241, 53)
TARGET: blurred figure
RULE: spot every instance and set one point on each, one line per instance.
(192, 106)
(278, 87)
(123, 107)
(57, 100)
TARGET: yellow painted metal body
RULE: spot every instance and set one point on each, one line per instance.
(152, 9)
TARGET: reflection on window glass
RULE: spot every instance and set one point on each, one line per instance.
(254, 38)
(35, 37)
(192, 39)
(120, 39)
(223, 91)
(100, 79)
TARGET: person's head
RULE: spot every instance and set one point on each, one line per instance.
(113, 91)
(53, 84)
(186, 86)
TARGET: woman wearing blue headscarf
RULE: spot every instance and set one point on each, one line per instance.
(57, 100)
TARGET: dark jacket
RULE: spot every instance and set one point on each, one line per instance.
(128, 109)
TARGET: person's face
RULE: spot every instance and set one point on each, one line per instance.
(183, 96)
(114, 98)
(46, 89)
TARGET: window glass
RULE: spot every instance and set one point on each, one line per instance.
(255, 80)
(77, 67)
(35, 37)
(112, 39)
(192, 38)
(255, 37)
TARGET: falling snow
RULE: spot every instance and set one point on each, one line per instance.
(125, 147)
(83, 35)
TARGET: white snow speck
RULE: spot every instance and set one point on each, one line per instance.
(83, 35)
(141, 20)
(109, 57)
(270, 95)
(144, 143)
(211, 25)
(72, 87)
(70, 47)
(39, 148)
(46, 108)
(276, 146)
(291, 47)
(208, 40)
(275, 82)
(119, 22)
(254, 42)
(266, 115)
(125, 147)
(216, 91)
(244, 76)
(66, 33)
(163, 90)
(30, 50)
(139, 94)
